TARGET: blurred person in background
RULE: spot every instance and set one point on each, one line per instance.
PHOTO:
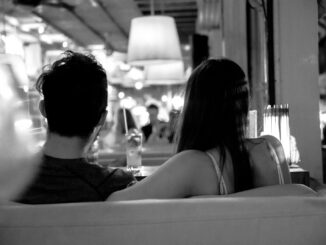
(75, 100)
(155, 130)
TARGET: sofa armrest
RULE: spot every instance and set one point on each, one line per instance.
(274, 190)
(278, 190)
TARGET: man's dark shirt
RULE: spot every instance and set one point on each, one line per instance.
(148, 129)
(73, 180)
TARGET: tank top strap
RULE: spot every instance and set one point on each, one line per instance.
(222, 186)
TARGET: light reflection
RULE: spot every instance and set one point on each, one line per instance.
(23, 124)
(121, 95)
(177, 102)
(138, 85)
(164, 98)
(128, 102)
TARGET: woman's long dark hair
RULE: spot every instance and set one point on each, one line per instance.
(215, 115)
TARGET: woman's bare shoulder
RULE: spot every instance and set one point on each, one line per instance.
(190, 156)
(192, 153)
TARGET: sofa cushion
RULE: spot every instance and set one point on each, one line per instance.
(229, 220)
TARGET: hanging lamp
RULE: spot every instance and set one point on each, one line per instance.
(165, 74)
(153, 40)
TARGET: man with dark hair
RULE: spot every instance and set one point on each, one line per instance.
(154, 131)
(75, 100)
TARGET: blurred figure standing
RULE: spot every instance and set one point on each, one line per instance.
(154, 131)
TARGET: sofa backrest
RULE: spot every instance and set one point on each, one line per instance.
(215, 220)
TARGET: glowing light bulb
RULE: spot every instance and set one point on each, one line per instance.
(138, 85)
(121, 95)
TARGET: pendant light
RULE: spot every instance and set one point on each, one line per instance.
(153, 40)
(165, 74)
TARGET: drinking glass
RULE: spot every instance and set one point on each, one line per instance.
(133, 151)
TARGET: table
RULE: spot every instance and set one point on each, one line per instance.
(298, 174)
(144, 171)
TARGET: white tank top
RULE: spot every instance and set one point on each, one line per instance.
(223, 190)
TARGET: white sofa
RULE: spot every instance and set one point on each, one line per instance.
(296, 219)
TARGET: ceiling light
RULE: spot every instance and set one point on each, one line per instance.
(96, 46)
(177, 102)
(94, 3)
(153, 39)
(138, 85)
(135, 74)
(53, 38)
(186, 47)
(170, 73)
(124, 66)
(41, 29)
(164, 98)
(121, 95)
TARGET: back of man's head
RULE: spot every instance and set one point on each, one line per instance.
(152, 110)
(75, 94)
(152, 106)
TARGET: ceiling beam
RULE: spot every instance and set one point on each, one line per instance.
(185, 19)
(100, 3)
(147, 7)
(322, 24)
(88, 26)
(173, 14)
(188, 28)
(59, 29)
(185, 24)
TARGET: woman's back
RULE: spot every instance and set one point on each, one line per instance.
(267, 161)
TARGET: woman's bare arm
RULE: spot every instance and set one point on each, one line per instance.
(186, 174)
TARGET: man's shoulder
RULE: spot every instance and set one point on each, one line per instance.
(147, 129)
(146, 126)
(78, 168)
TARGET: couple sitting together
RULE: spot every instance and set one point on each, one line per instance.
(213, 156)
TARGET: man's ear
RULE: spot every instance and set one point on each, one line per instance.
(41, 108)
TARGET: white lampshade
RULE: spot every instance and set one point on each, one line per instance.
(169, 73)
(153, 39)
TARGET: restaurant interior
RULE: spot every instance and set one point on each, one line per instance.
(148, 49)
(35, 33)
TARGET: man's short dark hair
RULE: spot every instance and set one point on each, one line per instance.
(75, 94)
(152, 106)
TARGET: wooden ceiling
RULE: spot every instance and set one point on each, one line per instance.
(92, 22)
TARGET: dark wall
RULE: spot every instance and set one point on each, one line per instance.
(200, 49)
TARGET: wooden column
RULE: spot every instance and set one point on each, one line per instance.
(234, 31)
(296, 66)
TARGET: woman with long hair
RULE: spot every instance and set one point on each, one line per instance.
(115, 138)
(213, 156)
